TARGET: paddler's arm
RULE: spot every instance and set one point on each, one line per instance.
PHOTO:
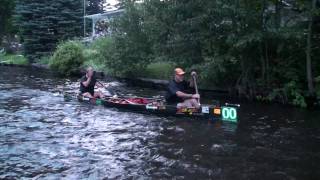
(187, 96)
(191, 85)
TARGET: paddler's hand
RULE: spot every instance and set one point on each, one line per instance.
(90, 74)
(195, 96)
(193, 73)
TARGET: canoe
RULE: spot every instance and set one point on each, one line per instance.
(227, 112)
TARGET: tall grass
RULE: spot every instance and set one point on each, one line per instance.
(13, 59)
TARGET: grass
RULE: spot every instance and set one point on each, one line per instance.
(13, 59)
(45, 60)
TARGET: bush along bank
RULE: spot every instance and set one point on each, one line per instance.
(68, 58)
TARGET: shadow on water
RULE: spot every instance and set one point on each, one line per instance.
(43, 136)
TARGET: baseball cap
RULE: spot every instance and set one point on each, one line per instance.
(179, 71)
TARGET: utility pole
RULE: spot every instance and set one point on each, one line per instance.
(84, 18)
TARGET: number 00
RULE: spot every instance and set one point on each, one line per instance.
(229, 113)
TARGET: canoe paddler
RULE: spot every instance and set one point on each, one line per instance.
(178, 91)
(87, 84)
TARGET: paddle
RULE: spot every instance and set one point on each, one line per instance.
(112, 93)
(117, 95)
(195, 85)
(101, 84)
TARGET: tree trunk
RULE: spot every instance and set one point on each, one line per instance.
(278, 14)
(267, 64)
(263, 42)
(308, 51)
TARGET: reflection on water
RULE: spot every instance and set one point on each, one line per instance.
(42, 136)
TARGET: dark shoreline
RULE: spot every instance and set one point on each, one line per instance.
(162, 84)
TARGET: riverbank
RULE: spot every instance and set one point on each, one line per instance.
(161, 84)
(70, 56)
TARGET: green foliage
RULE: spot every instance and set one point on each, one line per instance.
(100, 54)
(294, 92)
(256, 47)
(159, 70)
(13, 59)
(44, 60)
(291, 92)
(42, 24)
(216, 69)
(131, 48)
(94, 59)
(6, 11)
(68, 58)
(97, 66)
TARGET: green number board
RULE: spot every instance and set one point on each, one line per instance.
(229, 114)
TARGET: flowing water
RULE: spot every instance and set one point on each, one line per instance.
(44, 137)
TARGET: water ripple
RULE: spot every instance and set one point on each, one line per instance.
(44, 137)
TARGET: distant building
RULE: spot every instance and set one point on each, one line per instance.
(100, 23)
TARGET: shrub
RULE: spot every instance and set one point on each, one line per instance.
(291, 92)
(98, 53)
(116, 58)
(68, 58)
(108, 56)
(214, 72)
(160, 70)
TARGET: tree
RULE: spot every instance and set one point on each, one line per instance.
(6, 11)
(132, 49)
(308, 49)
(257, 46)
(43, 24)
(94, 6)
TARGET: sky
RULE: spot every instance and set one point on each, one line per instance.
(109, 5)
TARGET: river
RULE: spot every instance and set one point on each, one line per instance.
(44, 137)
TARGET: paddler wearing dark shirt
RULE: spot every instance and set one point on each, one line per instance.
(178, 88)
(87, 84)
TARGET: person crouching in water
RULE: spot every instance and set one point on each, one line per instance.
(177, 91)
(87, 84)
